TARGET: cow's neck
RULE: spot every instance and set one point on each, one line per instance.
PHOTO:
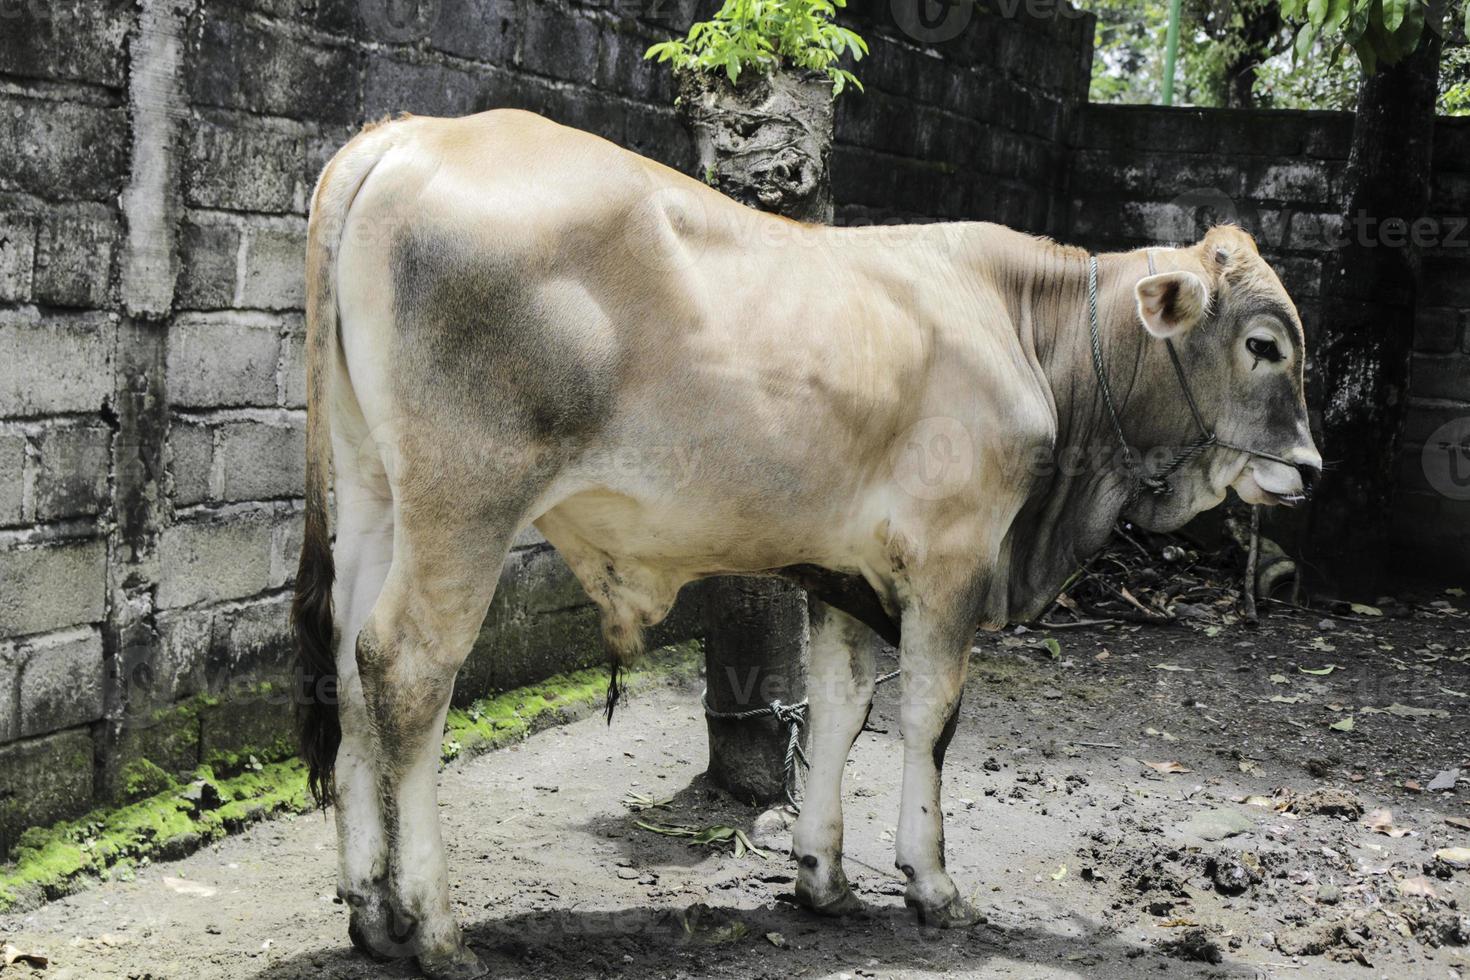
(1080, 497)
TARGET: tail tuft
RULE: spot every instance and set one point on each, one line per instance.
(615, 686)
(319, 728)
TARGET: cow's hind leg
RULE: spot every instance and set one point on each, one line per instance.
(363, 552)
(933, 658)
(839, 693)
(421, 629)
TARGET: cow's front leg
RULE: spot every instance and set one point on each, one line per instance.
(839, 692)
(933, 658)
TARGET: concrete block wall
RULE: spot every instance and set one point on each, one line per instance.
(156, 159)
(966, 115)
(1433, 507)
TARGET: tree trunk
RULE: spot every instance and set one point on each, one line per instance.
(1240, 83)
(1369, 292)
(766, 143)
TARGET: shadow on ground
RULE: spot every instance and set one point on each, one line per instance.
(727, 941)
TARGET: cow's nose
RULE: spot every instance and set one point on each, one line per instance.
(1309, 473)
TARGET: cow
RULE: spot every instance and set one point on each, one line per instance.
(514, 323)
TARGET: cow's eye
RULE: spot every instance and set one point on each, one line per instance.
(1264, 348)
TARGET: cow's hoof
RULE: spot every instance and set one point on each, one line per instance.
(840, 903)
(956, 913)
(822, 887)
(377, 933)
(459, 963)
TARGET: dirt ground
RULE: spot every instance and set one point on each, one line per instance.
(1089, 856)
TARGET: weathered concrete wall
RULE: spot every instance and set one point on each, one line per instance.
(155, 163)
(1148, 175)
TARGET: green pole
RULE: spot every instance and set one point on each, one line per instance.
(1171, 51)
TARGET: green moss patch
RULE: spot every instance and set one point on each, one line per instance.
(492, 722)
(174, 817)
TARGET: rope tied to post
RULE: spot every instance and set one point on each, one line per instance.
(793, 718)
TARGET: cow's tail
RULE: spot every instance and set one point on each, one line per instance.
(319, 727)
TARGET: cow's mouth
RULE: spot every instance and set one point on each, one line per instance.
(1270, 484)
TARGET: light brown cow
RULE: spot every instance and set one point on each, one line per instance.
(512, 323)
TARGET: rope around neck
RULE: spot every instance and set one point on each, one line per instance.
(1158, 483)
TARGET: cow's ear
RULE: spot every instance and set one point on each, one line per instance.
(1171, 302)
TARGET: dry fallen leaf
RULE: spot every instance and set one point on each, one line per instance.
(1460, 822)
(10, 955)
(1174, 668)
(1381, 822)
(1420, 887)
(1457, 856)
(1167, 767)
(192, 888)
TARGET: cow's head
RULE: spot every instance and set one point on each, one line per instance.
(1241, 344)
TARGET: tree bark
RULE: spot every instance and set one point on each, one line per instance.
(766, 143)
(1369, 292)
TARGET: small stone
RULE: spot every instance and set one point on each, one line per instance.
(1217, 824)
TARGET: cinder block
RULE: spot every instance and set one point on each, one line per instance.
(1440, 376)
(210, 252)
(52, 586)
(177, 666)
(223, 359)
(12, 478)
(191, 460)
(72, 469)
(265, 70)
(1436, 330)
(17, 257)
(262, 461)
(391, 86)
(241, 165)
(43, 780)
(560, 42)
(1446, 278)
(72, 353)
(250, 643)
(74, 257)
(62, 150)
(61, 683)
(1299, 182)
(66, 40)
(274, 276)
(481, 30)
(621, 67)
(1422, 420)
(1318, 232)
(286, 548)
(214, 561)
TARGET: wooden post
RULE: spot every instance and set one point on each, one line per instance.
(767, 144)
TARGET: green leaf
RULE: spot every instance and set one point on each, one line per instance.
(1319, 671)
(1394, 12)
(1053, 647)
(1365, 610)
(1346, 725)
